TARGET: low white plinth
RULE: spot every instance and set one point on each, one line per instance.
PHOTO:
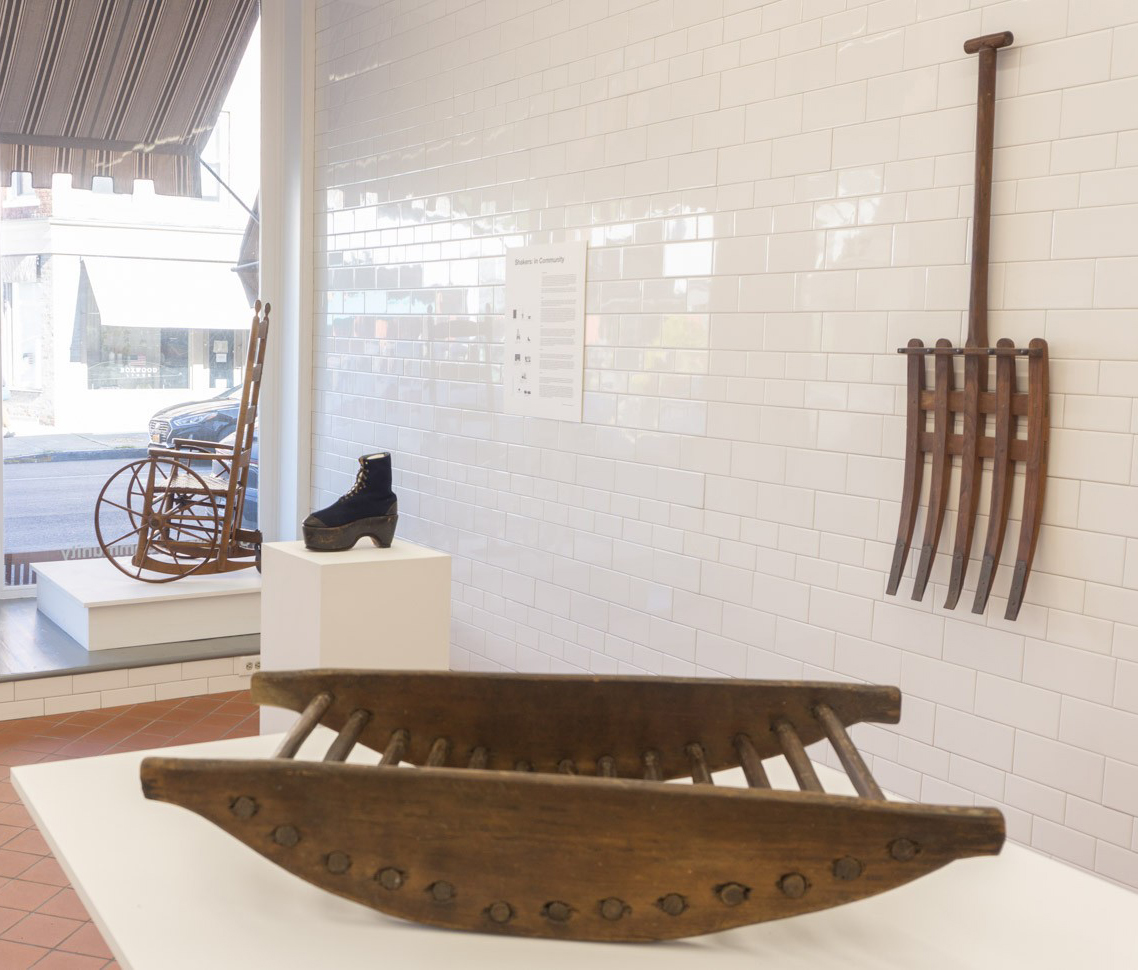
(376, 609)
(170, 891)
(95, 604)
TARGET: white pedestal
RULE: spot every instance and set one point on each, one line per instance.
(377, 609)
(95, 604)
(170, 891)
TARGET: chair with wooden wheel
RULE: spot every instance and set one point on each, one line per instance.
(181, 520)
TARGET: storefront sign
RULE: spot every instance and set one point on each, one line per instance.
(545, 330)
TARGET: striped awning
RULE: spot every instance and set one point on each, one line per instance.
(129, 89)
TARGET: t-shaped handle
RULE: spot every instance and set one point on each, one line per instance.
(991, 41)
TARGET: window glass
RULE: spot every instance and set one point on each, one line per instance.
(124, 324)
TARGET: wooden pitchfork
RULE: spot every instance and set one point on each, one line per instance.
(973, 404)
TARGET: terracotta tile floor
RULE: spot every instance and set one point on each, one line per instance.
(42, 922)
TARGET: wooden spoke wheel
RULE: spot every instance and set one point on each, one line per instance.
(161, 513)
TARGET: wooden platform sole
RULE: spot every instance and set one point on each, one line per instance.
(380, 529)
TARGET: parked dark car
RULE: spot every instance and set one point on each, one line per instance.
(208, 420)
(249, 513)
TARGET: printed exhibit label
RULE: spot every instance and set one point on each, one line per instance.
(545, 330)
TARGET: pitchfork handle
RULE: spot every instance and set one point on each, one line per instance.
(982, 211)
(994, 41)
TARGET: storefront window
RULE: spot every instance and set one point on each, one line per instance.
(22, 336)
(128, 359)
(125, 323)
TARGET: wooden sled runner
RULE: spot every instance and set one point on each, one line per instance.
(537, 807)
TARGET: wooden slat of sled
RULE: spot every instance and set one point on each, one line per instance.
(546, 720)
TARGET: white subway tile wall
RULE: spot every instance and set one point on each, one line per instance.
(135, 685)
(775, 196)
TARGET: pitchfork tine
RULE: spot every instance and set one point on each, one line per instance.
(914, 465)
(1035, 478)
(975, 383)
(942, 467)
(1002, 471)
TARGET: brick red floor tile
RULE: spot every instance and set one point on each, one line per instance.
(9, 918)
(202, 702)
(90, 719)
(108, 733)
(24, 895)
(44, 744)
(39, 929)
(47, 871)
(15, 814)
(9, 832)
(164, 729)
(195, 735)
(140, 742)
(84, 749)
(66, 902)
(16, 863)
(180, 716)
(64, 732)
(29, 841)
(36, 902)
(219, 719)
(19, 756)
(19, 956)
(58, 960)
(88, 941)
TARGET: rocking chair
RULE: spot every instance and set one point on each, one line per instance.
(184, 521)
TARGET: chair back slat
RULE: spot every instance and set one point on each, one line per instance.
(246, 424)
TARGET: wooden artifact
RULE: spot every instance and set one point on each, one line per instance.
(182, 519)
(537, 805)
(973, 404)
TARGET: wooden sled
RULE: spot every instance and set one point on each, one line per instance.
(538, 807)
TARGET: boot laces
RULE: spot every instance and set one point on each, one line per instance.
(360, 483)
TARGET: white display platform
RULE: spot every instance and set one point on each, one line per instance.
(95, 604)
(365, 607)
(170, 891)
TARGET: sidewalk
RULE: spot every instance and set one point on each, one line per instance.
(22, 449)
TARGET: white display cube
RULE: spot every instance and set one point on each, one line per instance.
(102, 608)
(368, 608)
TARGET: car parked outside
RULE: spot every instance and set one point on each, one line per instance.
(208, 420)
(249, 513)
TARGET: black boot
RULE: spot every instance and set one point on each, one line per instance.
(368, 508)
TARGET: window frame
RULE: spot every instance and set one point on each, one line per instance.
(288, 84)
